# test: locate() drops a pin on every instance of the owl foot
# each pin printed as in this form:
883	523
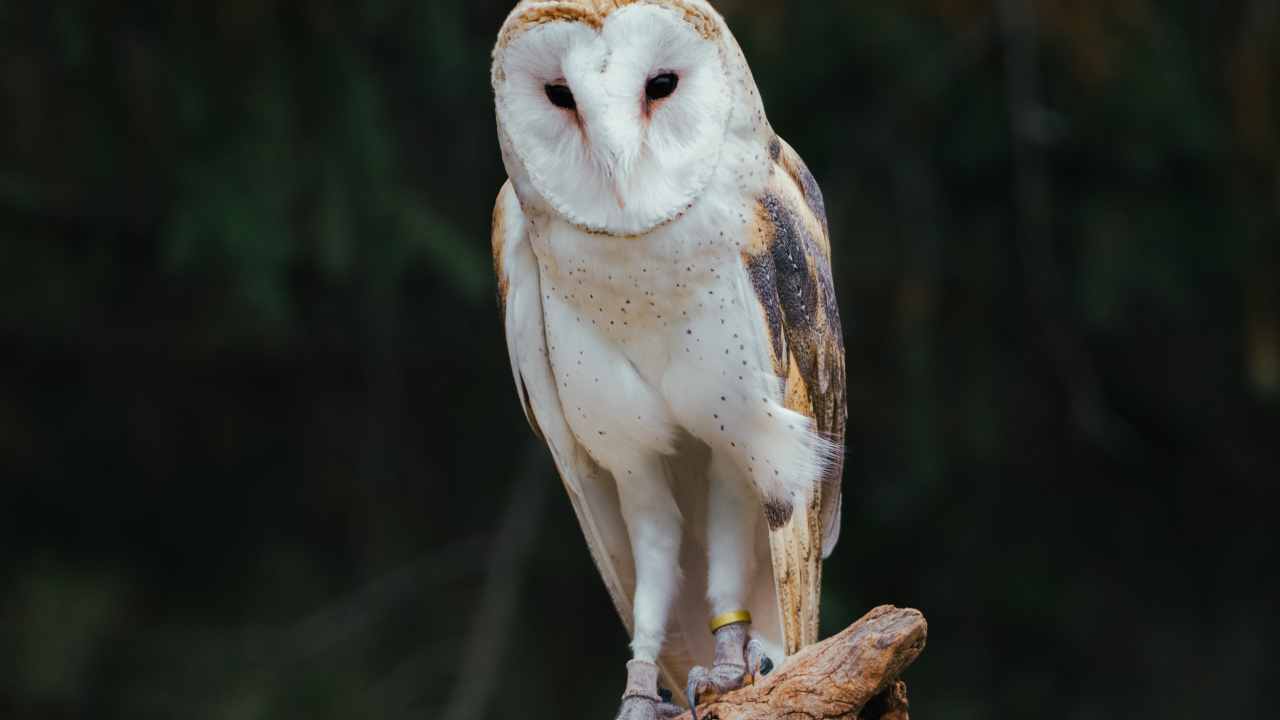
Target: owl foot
738	660
642	700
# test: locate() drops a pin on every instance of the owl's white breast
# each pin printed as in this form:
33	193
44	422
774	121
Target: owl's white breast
675	291
662	331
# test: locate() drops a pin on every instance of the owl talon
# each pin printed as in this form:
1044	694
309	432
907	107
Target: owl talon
718	679
758	663
696	677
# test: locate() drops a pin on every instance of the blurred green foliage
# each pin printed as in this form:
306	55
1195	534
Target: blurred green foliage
256	426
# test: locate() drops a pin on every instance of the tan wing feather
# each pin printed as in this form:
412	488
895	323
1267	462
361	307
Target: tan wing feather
789	260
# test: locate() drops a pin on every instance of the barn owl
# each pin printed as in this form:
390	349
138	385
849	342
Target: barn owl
663	267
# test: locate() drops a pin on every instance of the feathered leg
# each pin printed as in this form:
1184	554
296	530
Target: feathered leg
732	513
653	525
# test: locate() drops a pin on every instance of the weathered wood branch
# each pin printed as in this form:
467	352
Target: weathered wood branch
849	676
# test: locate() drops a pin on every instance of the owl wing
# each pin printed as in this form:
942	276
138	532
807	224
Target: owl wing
591	488
788	259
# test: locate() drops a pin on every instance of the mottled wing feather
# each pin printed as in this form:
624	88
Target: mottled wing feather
813	329
788	259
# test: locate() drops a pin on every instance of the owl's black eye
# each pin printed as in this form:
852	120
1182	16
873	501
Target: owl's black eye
561	96
661	86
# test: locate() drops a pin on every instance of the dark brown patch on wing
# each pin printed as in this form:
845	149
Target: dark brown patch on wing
790	270
764	281
775	148
812	318
796	283
777	513
792	281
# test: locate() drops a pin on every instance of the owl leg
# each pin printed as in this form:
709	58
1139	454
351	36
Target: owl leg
732	513
653	525
642	700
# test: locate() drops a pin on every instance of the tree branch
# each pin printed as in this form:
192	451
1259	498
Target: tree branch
850	676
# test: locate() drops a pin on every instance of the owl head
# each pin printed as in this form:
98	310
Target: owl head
614	113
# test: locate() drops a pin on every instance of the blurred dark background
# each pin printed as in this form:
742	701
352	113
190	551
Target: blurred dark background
261	457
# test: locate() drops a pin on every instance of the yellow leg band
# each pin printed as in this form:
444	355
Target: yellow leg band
729	618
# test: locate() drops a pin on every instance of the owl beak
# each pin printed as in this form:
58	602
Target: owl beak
616	143
616	163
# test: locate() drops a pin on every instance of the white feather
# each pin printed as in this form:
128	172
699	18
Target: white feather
597	169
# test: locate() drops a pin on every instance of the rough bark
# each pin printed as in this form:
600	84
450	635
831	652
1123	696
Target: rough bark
850	676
